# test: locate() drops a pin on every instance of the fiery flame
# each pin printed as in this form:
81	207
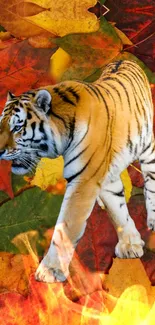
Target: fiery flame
85	299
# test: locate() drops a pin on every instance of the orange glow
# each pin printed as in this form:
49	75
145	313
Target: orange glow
86	298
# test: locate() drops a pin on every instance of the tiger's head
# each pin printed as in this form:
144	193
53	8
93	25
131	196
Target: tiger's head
25	134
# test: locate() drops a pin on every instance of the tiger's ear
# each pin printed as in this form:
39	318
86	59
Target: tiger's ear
10	96
43	100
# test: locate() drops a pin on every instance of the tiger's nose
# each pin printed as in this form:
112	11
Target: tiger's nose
1	152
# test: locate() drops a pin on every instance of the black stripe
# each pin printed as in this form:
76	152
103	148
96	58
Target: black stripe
55	244
84	134
135	150
151	176
138	123
139	81
54	143
150	162
113	88
117	65
86	88
43	147
77	156
74	93
91	90
98	93
33	126
120	83
60	118
42	130
7	109
63	96
134	91
121	204
41	127
31	92
29	115
149	190
120	194
129	143
16	109
105	103
71	132
149	145
69	179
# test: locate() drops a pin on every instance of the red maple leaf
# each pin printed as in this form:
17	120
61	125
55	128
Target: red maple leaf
22	68
5	180
136	20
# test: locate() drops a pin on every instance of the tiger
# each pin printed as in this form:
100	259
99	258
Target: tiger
99	128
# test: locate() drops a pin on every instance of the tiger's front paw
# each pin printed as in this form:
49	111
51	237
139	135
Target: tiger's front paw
46	272
129	249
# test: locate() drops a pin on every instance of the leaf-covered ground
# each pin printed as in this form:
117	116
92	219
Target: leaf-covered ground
40	46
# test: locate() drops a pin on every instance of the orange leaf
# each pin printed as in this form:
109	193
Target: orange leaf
13	274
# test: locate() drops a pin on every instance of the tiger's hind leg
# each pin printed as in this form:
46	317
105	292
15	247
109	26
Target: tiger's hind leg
147	161
130	244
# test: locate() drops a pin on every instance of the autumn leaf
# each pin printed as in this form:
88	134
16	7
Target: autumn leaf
136	174
59	63
136	20
4	36
90	51
43	40
125	40
134	274
48	173
15	270
27	19
23	68
127	184
5	178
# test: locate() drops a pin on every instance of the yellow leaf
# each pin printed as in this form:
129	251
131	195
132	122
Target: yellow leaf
65	17
127	184
33	17
134	275
59	63
48	172
4	36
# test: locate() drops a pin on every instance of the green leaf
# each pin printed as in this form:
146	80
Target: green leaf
32	209
90	52
2	29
